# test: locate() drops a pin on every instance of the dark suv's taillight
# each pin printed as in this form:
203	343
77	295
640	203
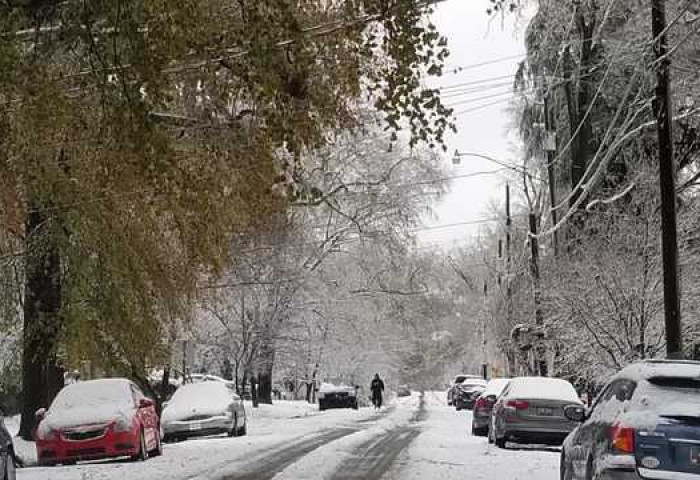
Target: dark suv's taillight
622	438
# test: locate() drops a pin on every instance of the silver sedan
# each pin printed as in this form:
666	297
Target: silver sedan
205	408
531	410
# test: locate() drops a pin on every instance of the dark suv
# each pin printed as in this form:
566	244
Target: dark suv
645	424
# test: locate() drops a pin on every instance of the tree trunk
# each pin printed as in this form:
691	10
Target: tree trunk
254	391
267	363
164	390
582	155
42	377
265	386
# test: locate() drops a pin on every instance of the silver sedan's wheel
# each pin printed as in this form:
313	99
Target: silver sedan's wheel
243	431
233	432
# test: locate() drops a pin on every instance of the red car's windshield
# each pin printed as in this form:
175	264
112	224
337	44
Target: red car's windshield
95	393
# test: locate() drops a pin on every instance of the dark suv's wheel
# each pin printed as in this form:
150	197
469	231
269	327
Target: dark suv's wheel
564	469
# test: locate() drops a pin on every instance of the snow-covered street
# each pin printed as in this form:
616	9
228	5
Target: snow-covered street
413	438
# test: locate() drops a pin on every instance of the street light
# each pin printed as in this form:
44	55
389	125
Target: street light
456	159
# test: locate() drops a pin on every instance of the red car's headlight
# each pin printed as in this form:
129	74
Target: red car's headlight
45	432
122	424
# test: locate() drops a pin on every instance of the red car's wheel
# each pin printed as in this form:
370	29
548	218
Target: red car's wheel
142	454
158	451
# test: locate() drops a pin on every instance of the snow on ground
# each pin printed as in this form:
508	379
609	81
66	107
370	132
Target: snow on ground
323	462
445	449
268	427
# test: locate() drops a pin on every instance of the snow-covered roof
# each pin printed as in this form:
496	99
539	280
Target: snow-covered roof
474	381
202	398
543	388
96	393
329	387
660	368
495	386
92	401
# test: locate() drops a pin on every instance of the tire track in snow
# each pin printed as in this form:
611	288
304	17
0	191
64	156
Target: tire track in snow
374	458
267	465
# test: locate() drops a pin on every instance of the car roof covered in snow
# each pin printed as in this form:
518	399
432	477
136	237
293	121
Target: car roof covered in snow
329	387
472	382
496	386
647	369
204	398
116	391
462	377
542	388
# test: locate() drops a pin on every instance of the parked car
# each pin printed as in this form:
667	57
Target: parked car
205	377
467	391
452	390
645	424
531	410
484	404
204	408
403	391
7	453
337	396
98	419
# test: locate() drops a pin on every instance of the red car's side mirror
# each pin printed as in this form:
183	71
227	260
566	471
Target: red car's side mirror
146	403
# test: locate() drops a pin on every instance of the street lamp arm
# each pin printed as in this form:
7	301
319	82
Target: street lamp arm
507	165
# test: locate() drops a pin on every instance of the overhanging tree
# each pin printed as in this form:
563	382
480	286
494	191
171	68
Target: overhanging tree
138	135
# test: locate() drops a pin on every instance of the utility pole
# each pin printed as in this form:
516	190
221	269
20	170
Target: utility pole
509	291
540	353
662	109
508	224
550	145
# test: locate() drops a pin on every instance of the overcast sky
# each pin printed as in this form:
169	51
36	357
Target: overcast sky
475	39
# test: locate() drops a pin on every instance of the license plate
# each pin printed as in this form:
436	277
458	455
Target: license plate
695	455
545	411
195	426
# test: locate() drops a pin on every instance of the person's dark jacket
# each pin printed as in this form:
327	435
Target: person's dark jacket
377	385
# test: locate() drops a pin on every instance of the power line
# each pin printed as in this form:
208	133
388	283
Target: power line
461	68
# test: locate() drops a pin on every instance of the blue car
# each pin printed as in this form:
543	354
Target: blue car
645	424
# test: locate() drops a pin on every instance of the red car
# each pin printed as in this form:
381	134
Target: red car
98	419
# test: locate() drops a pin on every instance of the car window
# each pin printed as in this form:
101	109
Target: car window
505	392
672	395
137	394
623	390
612	397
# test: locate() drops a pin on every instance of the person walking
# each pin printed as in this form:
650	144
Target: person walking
377	388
